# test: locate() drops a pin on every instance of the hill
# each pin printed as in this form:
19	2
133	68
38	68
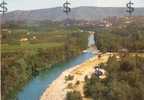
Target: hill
79	13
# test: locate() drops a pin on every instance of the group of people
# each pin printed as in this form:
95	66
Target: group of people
99	72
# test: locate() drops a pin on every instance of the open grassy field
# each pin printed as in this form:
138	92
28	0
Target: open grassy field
27	46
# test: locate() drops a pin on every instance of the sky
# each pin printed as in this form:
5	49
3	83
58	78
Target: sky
40	4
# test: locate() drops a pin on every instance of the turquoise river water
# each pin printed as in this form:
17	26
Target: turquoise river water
34	88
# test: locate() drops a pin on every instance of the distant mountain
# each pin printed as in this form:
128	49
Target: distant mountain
79	13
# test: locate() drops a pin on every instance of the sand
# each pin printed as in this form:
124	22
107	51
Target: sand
58	89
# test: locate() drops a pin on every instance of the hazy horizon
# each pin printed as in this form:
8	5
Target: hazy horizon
44	4
62	7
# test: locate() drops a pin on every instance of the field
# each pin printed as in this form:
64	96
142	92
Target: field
27	46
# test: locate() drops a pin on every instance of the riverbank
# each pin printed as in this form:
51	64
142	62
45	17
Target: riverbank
58	89
19	67
38	84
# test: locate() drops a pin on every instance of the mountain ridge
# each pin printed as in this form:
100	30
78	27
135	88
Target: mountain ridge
77	13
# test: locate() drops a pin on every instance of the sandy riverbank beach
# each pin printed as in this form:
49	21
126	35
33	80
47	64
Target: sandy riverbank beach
57	90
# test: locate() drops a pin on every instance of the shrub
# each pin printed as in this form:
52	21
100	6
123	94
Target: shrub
73	95
69	78
70	86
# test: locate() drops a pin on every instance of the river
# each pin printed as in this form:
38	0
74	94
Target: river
34	89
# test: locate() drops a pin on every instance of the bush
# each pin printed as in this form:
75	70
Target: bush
69	78
77	82
70	86
73	95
